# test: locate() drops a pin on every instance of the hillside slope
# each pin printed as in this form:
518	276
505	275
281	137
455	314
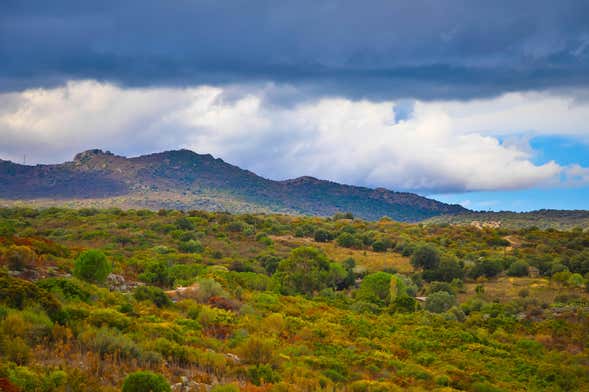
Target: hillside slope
543	219
186	180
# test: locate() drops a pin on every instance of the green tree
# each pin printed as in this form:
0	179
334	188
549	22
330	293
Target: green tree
336	276
440	301
303	271
7	229
375	288
448	270
153	294
191	246
322	235
92	266
348	240
379	246
156	272
489	268
426	257
184	224
145	381
518	268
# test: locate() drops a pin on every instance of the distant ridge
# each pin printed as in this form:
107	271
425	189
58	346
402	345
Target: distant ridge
542	219
186	180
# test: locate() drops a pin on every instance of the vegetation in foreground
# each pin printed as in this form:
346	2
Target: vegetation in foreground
115	300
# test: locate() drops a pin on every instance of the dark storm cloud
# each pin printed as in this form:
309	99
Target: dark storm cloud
376	49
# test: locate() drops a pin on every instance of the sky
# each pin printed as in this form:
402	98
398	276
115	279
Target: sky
480	103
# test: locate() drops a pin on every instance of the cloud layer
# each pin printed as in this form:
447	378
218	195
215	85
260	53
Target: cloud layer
425	146
376	49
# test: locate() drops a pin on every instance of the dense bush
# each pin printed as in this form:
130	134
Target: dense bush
488	268
321	235
375	288
304	271
68	289
348	240
18	257
440	301
153	294
156	273
92	266
146	382
518	268
447	271
426	257
19	293
191	246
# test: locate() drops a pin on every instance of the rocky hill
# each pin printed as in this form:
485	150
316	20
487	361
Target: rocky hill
187	180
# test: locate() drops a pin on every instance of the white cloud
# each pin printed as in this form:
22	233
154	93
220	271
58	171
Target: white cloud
441	146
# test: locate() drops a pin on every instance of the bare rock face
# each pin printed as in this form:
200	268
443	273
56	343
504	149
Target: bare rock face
118	283
186	385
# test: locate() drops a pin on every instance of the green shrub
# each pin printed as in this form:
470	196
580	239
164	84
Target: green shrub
7	228
441	286
157	273
488	268
262	374
380	246
153	294
405	304
375	288
192	246
321	235
18	257
348	240
19	293
145	381
426	257
439	302
107	341
67	289
518	268
92	266
15	350
109	318
184	224
304	271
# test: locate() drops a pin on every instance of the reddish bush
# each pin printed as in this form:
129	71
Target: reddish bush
223	303
7	386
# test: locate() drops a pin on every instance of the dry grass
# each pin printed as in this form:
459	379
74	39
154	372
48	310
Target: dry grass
371	261
508	288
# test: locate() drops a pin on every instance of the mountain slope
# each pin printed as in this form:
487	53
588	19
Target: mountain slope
186	180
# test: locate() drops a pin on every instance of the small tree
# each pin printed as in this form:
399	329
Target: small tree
489	268
153	294
18	257
321	235
145	381
375	288
304	271
347	240
92	266
426	257
439	302
518	268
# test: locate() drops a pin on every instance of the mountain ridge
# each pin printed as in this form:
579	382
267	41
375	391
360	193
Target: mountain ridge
187	180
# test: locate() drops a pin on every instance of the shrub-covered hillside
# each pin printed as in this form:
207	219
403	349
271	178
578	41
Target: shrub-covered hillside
111	300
